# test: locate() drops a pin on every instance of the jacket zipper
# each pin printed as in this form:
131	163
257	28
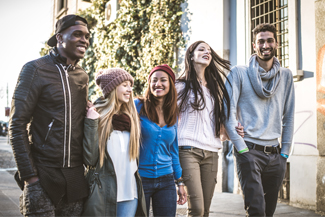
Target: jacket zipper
69	92
65	115
48	131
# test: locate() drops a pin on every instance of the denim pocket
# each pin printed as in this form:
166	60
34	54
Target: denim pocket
168	176
281	157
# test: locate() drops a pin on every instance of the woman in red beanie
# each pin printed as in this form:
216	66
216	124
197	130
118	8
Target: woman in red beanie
159	162
201	93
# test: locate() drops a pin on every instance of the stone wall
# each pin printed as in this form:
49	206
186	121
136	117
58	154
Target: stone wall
320	78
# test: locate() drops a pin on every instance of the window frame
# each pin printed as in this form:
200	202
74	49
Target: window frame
62	10
292	34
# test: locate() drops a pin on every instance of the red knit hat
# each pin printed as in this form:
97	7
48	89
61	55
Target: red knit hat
109	79
164	68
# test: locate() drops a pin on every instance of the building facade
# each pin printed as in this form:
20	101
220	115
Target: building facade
61	8
226	25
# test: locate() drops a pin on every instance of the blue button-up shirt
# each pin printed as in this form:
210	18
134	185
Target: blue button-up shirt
158	149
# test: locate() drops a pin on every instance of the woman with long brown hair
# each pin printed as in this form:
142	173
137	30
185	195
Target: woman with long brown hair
201	99
159	162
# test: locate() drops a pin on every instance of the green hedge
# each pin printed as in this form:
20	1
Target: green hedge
145	34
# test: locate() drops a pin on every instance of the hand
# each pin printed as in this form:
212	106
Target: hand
223	134
89	104
92	113
240	130
182	196
31	180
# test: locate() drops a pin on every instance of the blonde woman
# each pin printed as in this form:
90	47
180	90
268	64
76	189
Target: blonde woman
111	148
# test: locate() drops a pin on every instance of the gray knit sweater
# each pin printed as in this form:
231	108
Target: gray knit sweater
264	119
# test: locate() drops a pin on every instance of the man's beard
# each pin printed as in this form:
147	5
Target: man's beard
266	58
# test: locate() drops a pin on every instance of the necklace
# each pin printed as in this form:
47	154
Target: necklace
200	81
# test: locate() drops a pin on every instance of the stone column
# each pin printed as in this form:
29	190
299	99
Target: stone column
320	82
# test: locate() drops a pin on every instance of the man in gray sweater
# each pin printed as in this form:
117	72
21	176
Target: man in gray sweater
263	101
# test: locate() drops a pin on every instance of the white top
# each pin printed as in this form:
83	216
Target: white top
196	128
118	150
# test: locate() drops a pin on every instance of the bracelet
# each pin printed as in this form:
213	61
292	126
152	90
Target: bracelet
180	183
284	155
180	180
244	150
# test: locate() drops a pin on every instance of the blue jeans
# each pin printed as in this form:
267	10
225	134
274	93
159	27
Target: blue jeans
127	208
162	191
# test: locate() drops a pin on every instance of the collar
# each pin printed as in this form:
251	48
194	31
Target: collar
60	59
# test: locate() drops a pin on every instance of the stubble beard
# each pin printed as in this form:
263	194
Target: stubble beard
266	58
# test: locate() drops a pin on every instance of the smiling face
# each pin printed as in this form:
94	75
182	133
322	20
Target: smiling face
73	42
202	54
159	84
265	45
124	91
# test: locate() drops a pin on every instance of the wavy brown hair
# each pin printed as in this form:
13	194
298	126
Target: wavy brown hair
215	76
170	104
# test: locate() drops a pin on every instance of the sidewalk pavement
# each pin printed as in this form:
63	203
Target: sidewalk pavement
223	204
4	144
9	195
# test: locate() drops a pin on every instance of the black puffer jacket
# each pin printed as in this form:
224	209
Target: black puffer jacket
52	97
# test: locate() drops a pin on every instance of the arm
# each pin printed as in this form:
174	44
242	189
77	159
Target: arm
175	158
234	89
23	103
90	140
223	133
288	117
182	195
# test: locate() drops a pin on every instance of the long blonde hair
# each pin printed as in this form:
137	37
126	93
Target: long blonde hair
106	110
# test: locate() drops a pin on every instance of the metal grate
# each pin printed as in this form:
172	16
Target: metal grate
274	12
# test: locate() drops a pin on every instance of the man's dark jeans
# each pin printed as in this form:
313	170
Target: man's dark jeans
260	176
162	191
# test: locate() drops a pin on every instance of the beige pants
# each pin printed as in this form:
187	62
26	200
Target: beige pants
200	169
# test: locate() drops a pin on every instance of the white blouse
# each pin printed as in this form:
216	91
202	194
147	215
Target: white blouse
118	150
196	128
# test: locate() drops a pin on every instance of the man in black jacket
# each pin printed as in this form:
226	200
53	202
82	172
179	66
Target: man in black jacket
46	125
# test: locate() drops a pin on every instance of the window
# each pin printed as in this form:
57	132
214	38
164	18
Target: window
276	13
61	6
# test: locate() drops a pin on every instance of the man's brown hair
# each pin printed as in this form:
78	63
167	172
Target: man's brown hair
263	28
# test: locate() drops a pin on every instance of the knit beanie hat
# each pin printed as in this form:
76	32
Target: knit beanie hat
109	79
164	68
